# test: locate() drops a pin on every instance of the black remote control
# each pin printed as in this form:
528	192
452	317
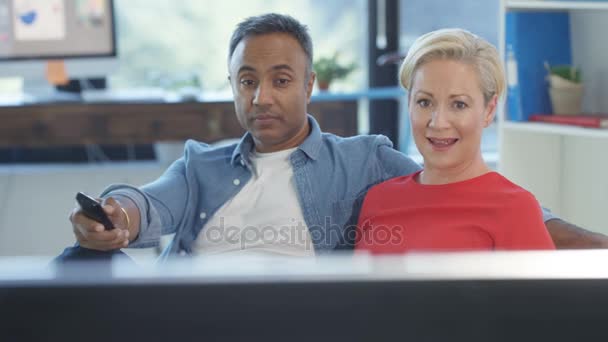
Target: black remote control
92	209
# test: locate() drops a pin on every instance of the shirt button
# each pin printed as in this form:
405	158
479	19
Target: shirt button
203	216
236	182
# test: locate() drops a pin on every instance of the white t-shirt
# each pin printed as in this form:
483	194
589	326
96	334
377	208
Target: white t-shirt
265	217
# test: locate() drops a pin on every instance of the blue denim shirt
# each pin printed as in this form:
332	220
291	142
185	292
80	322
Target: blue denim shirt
332	176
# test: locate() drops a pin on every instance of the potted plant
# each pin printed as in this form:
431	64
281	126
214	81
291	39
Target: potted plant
329	69
565	89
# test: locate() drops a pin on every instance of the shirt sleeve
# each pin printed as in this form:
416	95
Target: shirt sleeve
523	228
161	204
392	162
149	223
548	215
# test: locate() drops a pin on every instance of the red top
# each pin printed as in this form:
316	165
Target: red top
484	213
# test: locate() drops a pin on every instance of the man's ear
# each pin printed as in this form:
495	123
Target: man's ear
490	111
234	91
310	85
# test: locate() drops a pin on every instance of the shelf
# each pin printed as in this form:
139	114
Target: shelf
380	93
537	5
546	128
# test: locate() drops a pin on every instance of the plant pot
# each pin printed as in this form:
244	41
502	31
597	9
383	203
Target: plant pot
566	101
323	85
566	96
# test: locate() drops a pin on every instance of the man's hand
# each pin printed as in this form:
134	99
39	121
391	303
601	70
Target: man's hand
568	236
91	234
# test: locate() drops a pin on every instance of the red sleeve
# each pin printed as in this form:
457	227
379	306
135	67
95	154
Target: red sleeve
363	227
522	226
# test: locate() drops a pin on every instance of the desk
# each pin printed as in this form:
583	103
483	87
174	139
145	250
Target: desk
76	123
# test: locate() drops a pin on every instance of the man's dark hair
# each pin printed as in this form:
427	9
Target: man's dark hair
272	23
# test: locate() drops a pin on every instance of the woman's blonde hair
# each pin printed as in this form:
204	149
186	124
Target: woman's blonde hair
459	45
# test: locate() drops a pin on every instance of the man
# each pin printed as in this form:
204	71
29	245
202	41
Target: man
286	188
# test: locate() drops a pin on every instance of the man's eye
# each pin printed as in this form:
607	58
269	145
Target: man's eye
246	82
282	81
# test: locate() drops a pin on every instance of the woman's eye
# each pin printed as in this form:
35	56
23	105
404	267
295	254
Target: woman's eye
460	105
424	103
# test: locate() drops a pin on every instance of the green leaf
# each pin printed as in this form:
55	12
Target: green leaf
328	68
567	72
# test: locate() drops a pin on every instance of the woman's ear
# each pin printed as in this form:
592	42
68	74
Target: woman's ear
490	111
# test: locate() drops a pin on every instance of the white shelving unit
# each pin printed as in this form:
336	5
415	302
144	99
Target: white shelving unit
546	128
535	5
565	167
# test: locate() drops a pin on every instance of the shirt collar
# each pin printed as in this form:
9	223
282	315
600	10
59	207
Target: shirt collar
311	145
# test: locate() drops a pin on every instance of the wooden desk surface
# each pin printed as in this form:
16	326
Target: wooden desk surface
144	123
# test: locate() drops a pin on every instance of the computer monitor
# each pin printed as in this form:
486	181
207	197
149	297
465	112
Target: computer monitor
520	296
79	32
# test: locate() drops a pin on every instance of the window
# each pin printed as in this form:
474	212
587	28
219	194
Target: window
173	43
10	85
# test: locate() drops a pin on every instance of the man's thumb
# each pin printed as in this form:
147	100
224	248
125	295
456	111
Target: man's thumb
109	205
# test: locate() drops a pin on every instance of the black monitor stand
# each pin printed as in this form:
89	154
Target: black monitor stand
76	86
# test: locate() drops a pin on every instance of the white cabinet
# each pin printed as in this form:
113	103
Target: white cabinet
35	201
565	167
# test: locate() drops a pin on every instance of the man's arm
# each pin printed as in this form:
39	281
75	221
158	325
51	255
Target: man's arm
568	236
393	163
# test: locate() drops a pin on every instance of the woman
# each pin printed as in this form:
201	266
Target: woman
454	80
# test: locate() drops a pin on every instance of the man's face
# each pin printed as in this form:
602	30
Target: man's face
271	86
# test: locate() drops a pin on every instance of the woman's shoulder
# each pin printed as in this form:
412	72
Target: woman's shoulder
398	181
512	193
396	185
392	192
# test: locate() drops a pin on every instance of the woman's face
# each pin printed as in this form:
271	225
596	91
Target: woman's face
448	113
